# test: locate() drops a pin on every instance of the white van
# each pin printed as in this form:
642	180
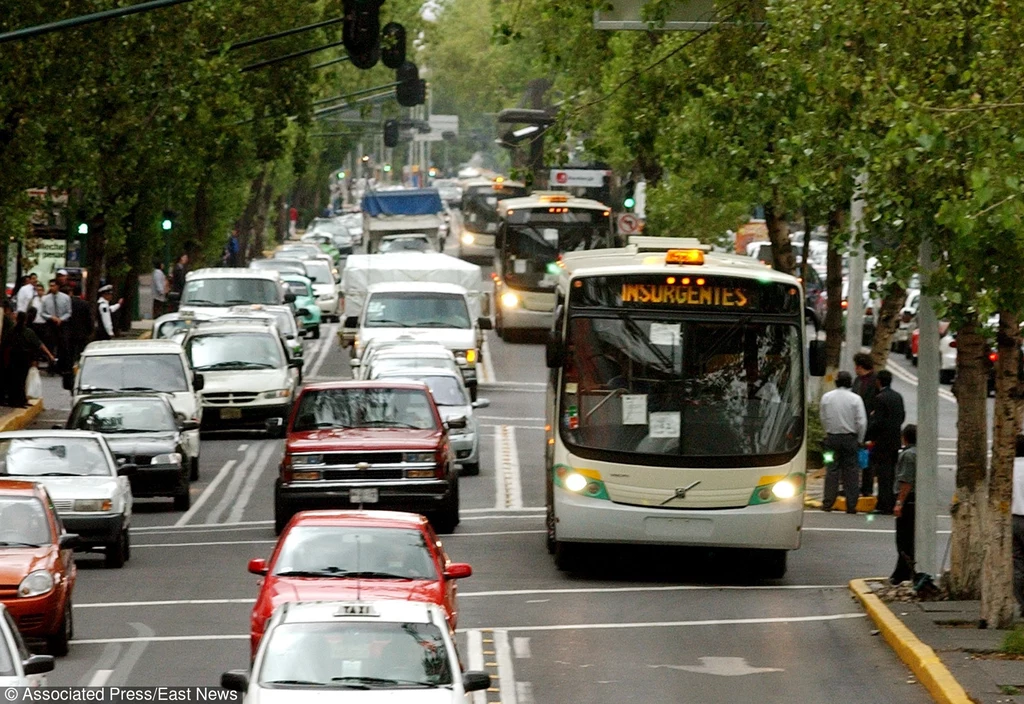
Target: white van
212	292
113	366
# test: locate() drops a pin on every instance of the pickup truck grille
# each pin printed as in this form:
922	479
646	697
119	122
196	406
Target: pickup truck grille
353	474
229	397
335	459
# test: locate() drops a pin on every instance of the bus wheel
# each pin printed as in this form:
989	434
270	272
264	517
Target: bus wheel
772	563
567	556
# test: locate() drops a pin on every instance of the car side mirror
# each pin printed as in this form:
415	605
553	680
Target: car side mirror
274	426
127	469
238	680
816	357
37	664
482	403
485	324
355	362
258	566
198	382
68	381
474	681
351	322
555	352
289	297
458	570
457	423
68	541
187	425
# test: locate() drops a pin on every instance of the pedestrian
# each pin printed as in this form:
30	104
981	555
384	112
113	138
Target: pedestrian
865	385
56	312
903	509
293	220
81	325
160	288
38	323
885	419
26	292
1018	523
24	349
6	326
62	278
845	422
104	309
178	275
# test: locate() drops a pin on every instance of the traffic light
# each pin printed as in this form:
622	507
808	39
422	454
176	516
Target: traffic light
392	45
391	133
361	30
628	194
167	224
83	228
365	61
411	89
83	222
341	175
387	168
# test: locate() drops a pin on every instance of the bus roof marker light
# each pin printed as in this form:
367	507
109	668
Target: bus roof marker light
670	280
700	282
684	256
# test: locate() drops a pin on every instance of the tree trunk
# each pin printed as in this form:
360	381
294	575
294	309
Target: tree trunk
888	321
778	234
997	600
967	539
246	222
834	298
805	255
259	228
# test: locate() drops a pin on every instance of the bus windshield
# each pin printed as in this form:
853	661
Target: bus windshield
532	242
480	205
652	390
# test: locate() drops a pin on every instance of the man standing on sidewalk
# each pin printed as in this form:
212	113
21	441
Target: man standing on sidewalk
884	423
160	288
1018	524
845	422
57	312
903	509
865	385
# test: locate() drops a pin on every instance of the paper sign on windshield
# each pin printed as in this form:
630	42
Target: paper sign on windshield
634	409
665	334
665	424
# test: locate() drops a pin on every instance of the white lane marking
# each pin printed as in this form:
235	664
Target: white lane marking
518	385
123	669
501	510
680	624
100	678
204	497
722	667
475	643
508	489
496	532
909	378
200	544
521	647
250	483
496	387
231	490
164	602
157	639
328	337
228	529
486	364
513	419
507	516
506	675
243	447
520	427
194	526
524	692
674	588
537	601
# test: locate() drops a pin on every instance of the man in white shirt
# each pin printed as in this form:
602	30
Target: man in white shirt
845	421
56	311
160	288
104	309
25	294
1018	523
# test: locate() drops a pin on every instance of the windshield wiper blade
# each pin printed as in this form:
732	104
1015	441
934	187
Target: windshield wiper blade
439	324
236	365
388	424
325	572
377	575
382	323
57	474
137	388
298	682
367	680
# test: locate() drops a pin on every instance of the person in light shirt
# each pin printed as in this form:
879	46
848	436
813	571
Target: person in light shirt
845	421
1018	523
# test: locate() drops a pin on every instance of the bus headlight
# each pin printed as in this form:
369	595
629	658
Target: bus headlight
784	489
575	482
777	488
467	238
509	299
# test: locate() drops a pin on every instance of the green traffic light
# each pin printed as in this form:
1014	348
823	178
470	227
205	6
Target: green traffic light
83	228
553	268
629	202
341	174
387	167
166	224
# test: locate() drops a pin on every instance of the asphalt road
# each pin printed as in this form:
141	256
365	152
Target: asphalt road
648	626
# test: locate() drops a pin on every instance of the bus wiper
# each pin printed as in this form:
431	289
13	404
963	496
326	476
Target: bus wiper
439	324
18	544
137	388
639	334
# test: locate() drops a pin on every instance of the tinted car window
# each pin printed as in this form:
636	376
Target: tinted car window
115	415
132	372
365	408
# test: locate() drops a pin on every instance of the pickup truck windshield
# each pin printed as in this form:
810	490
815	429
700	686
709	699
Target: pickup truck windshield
417	310
365	408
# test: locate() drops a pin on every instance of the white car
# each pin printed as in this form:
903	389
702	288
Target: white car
90	491
249	378
325	286
412	354
18	666
365	651
452	401
212	291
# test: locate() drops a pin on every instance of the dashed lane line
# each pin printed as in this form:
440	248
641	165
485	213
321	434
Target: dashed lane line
475	646
99	678
486	364
506	673
911	379
327	336
237	478
205	496
521	647
255	472
508	486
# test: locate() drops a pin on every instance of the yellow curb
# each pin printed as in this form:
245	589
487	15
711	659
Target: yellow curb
21	417
920	658
865	504
812	503
146	335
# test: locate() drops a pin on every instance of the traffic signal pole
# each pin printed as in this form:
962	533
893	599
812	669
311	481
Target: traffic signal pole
92	18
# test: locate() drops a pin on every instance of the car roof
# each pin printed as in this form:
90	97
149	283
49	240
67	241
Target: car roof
391	611
19	487
397	372
368	384
120	347
55	433
216	327
377	519
416	287
396	348
231	273
120	396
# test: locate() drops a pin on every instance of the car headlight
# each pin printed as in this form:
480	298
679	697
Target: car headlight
509	299
468	238
306	460
36	583
92	505
169	458
418	457
278	393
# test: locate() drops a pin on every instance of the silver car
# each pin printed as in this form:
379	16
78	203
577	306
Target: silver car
452	399
89	490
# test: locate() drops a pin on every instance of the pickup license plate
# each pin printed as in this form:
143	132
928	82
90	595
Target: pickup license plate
363	496
231	413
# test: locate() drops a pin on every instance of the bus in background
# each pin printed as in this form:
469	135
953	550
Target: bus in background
676	410
533	233
480	198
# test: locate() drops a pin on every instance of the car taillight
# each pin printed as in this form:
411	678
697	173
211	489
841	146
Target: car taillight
952	343
845	304
993	356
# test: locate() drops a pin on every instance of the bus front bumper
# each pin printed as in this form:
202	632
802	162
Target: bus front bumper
774	526
519	318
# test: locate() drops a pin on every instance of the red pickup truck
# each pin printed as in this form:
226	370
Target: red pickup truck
368	444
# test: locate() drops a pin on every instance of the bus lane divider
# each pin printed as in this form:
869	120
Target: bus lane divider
508	485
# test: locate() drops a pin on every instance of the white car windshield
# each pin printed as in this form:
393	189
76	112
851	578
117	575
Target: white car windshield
23	523
417	310
354	552
229	292
132	372
356	655
319	271
53	457
240	350
123	415
446	390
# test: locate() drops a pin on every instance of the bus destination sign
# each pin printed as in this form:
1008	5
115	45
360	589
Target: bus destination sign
668	292
683	294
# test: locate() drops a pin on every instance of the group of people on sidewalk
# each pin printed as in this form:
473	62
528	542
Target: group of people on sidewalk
866	415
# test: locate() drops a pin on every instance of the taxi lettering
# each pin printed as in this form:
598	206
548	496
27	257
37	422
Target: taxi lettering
681	295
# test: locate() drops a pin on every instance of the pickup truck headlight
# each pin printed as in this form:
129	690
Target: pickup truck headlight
36	583
418	457
169	458
306	460
92	505
279	393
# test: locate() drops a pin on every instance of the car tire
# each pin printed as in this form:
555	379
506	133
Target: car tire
447	518
567	556
193	469
115	554
771	564
316	333
470	469
279	431
58	643
183	501
281	518
473	393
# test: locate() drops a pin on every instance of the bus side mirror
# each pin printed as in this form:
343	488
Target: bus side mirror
555	351
816	357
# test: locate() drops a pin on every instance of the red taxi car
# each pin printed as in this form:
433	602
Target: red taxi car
37	568
352	555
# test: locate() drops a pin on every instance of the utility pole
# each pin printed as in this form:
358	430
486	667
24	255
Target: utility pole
855	291
926	483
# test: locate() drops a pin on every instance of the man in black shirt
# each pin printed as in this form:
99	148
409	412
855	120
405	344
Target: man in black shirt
885	418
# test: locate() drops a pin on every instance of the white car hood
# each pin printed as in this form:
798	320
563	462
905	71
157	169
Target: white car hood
349	696
78	487
324	289
451	338
246	380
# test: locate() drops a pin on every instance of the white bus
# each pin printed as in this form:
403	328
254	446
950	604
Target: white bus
676	410
480	197
533	233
